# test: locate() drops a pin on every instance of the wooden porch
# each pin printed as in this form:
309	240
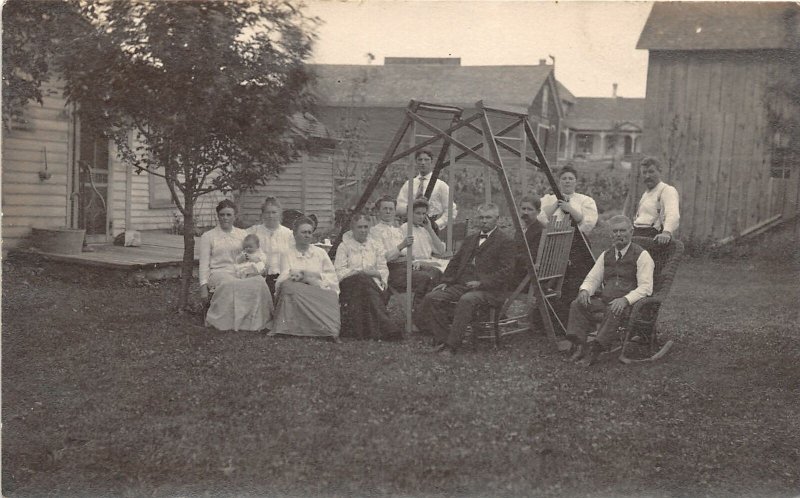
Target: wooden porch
159	257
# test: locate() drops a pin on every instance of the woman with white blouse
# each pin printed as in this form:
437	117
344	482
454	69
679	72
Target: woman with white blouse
363	274
237	304
581	207
274	238
308	289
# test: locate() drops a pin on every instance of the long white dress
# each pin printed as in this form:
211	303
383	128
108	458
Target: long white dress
237	304
303	309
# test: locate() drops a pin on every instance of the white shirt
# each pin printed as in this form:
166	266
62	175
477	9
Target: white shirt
437	203
583	203
352	256
218	251
665	213
644	275
273	243
482	240
314	260
388	235
424	246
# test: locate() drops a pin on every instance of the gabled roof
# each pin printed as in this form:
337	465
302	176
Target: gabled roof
565	94
721	26
596	113
393	85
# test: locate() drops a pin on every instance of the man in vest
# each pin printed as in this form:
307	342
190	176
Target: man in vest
658	214
477	275
439	205
625	273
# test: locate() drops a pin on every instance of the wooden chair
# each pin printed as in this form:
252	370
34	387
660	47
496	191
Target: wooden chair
551	264
644	313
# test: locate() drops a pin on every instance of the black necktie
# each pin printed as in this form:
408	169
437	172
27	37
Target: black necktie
619	254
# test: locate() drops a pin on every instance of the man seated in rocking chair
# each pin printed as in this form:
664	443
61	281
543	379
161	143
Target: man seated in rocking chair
625	272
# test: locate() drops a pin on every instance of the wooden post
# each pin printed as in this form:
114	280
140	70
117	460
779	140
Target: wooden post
450	194
410	231
523	164
487	173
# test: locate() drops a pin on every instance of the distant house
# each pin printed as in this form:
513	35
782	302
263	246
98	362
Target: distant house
711	66
56	174
379	94
602	128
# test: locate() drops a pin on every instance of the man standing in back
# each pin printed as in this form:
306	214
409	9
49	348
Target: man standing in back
438	202
658	214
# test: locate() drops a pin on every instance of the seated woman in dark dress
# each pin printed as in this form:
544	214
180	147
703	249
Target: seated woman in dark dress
361	268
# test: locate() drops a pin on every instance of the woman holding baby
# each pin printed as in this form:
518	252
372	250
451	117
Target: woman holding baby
307	287
230	276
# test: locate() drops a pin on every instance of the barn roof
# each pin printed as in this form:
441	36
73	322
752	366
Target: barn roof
721	26
595	113
393	85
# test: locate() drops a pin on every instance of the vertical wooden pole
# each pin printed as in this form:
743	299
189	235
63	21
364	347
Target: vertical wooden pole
523	164
487	173
450	193
410	230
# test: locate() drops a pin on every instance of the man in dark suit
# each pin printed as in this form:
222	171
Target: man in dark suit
478	275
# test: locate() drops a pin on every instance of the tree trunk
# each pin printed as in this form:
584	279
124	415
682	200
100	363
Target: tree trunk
187	266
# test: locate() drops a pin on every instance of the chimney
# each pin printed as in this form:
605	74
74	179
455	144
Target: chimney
542	62
614	94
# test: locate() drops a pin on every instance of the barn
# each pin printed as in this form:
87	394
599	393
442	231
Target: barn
56	174
712	74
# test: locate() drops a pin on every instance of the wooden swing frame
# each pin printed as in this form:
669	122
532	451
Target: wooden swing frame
493	142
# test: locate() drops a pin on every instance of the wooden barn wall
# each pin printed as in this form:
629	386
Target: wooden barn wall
306	185
29	201
707	111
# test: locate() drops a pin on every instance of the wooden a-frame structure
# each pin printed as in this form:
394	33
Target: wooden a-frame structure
480	124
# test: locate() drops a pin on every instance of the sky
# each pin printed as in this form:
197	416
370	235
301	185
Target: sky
594	43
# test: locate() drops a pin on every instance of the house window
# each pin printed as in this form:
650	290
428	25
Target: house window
584	144
783	160
160	196
545	100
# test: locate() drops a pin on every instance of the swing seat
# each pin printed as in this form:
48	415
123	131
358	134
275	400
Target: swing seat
551	264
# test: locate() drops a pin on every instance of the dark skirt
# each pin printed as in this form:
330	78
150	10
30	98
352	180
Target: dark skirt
364	315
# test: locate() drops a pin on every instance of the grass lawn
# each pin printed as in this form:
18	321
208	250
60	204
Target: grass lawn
108	392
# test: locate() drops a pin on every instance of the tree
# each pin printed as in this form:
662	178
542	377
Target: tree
199	93
33	31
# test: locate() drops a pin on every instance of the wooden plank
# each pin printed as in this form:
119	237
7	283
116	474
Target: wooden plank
41	189
36	211
714	131
34	144
723	181
12	154
33	200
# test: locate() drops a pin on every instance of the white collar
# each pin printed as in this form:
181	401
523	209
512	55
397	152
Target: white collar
656	187
490	232
623	251
423	177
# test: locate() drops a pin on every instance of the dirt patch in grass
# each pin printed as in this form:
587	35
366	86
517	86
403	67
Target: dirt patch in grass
106	391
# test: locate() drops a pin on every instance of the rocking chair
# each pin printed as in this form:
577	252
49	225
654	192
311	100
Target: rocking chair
642	321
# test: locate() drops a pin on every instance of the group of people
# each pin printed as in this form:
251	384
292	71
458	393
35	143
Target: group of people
270	277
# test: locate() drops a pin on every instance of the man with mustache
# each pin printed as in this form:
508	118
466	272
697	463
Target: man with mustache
658	214
626	274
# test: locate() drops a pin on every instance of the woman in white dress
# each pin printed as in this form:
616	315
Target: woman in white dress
581	207
274	238
308	290
235	304
361	268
